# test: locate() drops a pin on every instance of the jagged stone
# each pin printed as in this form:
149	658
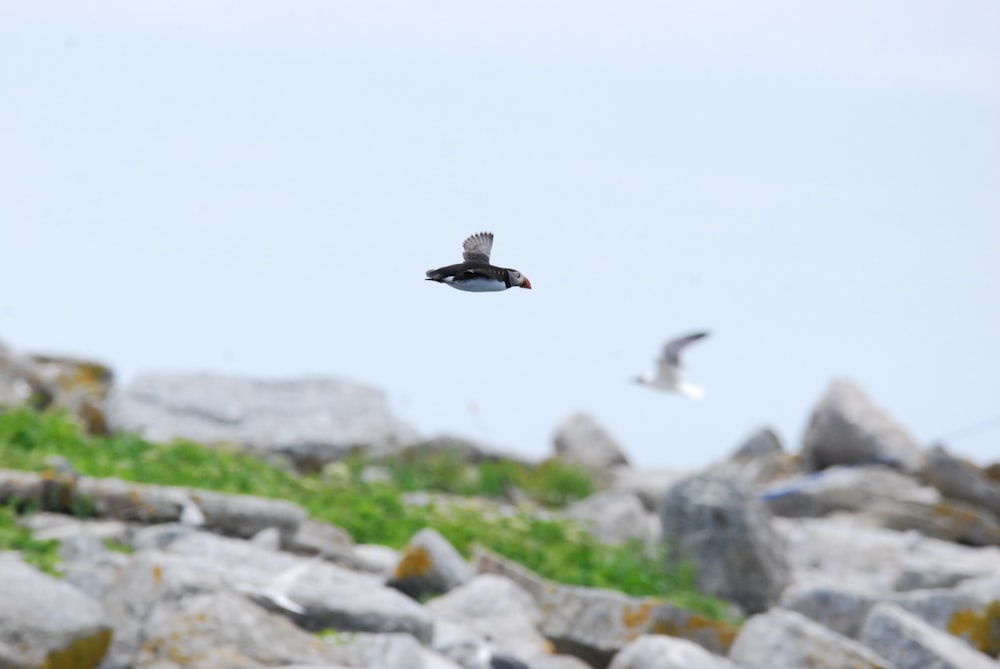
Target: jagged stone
664	652
45	622
782	638
727	532
311	421
848	428
581	439
910	643
430	565
593	624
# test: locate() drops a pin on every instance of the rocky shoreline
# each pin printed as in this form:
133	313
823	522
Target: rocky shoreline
862	549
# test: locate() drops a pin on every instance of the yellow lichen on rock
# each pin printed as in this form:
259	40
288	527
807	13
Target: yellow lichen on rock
637	617
416	562
979	628
81	654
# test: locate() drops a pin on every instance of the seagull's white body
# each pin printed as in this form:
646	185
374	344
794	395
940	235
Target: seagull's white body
668	369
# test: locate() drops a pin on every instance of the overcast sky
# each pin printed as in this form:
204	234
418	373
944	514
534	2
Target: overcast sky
258	187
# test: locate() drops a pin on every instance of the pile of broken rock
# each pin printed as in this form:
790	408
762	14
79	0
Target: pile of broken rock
863	549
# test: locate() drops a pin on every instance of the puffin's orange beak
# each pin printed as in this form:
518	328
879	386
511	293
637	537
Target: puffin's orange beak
525	283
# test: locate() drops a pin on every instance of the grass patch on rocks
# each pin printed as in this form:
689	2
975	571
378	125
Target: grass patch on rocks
372	508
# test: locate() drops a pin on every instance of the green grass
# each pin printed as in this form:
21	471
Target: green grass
371	512
43	553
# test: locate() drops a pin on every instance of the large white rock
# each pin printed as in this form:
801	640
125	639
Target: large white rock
310	420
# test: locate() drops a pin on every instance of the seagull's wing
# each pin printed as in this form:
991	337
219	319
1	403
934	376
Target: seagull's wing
478	247
673	348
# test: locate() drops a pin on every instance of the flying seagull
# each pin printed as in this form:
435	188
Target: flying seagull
668	368
476	274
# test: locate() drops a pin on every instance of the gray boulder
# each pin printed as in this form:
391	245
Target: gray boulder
46	622
910	643
727	532
665	652
311	421
848	428
616	517
781	638
430	565
582	440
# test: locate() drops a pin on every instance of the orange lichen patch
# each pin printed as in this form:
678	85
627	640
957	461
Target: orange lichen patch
638	616
698	627
157	574
416	562
980	628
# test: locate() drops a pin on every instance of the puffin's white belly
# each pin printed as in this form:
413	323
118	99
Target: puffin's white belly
477	285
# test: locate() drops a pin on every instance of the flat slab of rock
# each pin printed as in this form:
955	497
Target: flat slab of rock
885	497
235	515
593	624
910	643
314	593
846	551
311	421
782	638
46	622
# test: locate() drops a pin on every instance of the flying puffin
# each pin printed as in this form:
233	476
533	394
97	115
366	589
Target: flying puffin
476	274
668	368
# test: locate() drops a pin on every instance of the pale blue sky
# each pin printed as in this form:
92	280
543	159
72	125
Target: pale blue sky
258	187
